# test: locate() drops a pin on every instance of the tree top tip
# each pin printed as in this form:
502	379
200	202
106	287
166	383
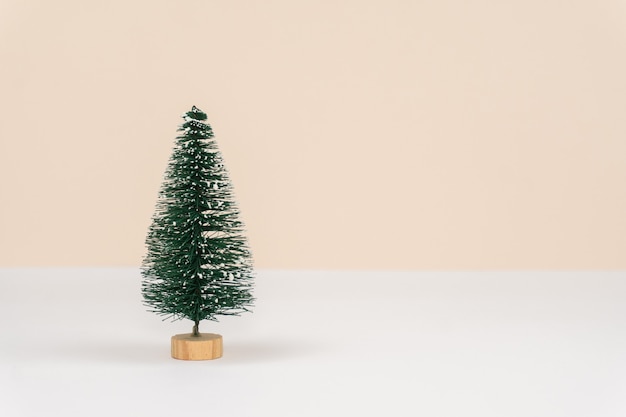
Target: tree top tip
196	114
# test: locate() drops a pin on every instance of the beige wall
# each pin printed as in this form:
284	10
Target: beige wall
359	133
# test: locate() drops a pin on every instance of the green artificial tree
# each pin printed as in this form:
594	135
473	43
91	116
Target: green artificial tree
198	265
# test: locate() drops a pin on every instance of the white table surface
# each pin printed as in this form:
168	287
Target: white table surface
78	342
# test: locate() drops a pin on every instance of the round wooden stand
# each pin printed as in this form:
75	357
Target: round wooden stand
196	348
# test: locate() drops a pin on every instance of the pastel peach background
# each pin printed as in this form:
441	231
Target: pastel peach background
359	133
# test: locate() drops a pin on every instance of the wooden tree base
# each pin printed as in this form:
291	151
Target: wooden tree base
196	348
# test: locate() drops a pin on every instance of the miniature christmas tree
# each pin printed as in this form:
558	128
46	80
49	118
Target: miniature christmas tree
198	265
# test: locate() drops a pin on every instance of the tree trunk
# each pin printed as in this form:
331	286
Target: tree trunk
195	331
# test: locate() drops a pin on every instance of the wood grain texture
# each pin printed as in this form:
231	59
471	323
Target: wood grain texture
196	348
